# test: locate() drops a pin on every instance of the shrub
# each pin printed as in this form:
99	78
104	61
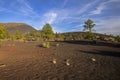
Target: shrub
0	43
59	37
88	35
2	31
57	44
106	39
109	39
18	35
97	37
46	45
78	37
112	39
118	38
94	41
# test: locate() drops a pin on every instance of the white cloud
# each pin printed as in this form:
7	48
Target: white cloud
66	16
25	8
86	7
99	9
78	27
18	7
75	14
109	26
50	17
58	16
103	6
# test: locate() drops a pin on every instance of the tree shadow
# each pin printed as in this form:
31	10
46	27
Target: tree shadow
90	42
103	53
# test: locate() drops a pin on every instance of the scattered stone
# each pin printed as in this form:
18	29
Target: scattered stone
93	59
67	62
54	61
57	44
2	65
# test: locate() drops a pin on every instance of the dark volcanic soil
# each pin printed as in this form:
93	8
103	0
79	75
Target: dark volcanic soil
30	61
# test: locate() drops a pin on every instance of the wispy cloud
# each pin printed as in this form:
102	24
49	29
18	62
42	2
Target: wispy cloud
50	17
86	7
103	6
64	3
99	9
2	9
69	15
19	7
63	15
26	9
110	25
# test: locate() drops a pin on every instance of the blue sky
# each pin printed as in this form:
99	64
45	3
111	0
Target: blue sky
63	15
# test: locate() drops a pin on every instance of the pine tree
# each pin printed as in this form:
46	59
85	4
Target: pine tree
47	32
89	25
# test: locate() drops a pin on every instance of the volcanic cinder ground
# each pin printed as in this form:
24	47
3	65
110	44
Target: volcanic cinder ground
30	61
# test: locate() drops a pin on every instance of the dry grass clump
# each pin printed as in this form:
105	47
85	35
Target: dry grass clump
57	44
46	44
68	62
54	61
93	59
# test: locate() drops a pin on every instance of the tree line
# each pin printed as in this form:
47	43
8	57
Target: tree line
47	34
